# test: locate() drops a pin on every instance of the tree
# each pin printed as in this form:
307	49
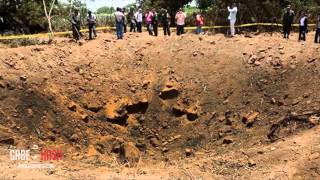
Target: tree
204	4
172	5
105	10
48	15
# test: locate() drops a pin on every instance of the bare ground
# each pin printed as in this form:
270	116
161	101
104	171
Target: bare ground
184	107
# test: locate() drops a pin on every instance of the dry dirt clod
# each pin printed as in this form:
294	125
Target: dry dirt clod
138	106
154	142
250	118
94	106
116	112
23	78
72	106
251	163
2	84
310	60
6	137
314	120
189	152
129	153
169	92
252	59
227	140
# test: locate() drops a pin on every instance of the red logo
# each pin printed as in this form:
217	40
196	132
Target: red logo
53	154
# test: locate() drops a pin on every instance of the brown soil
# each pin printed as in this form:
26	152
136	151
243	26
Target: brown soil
155	107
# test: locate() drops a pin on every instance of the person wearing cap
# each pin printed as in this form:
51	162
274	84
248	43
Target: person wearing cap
233	10
91	19
165	18
119	23
76	25
139	19
317	38
180	21
287	21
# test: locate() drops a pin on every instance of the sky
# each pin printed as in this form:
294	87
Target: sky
93	5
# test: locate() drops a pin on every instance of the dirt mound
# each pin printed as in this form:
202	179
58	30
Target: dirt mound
155	98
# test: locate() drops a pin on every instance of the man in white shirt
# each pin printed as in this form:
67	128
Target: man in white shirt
303	26
232	18
139	18
119	16
92	20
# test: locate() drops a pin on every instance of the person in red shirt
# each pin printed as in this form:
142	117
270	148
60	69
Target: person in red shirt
199	23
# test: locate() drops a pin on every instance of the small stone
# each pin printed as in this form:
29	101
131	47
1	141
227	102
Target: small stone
72	106
169	92
154	142
129	153
250	118
164	150
189	152
23	78
74	138
281	52
227	141
314	120
84	117
314	156
195	53
310	60
252	59
2	84
251	163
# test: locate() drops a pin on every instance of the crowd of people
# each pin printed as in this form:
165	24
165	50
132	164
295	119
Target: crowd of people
288	20
151	18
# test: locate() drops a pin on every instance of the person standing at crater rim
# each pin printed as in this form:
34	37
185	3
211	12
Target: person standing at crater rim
303	27
139	19
119	23
180	21
165	17
76	25
317	36
287	21
91	18
155	19
233	10
148	19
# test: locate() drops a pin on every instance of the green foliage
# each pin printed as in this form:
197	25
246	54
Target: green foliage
106	10
204	4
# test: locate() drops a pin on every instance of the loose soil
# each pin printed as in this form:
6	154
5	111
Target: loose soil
188	107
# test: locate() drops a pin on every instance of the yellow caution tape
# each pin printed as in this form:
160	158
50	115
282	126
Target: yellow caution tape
45	35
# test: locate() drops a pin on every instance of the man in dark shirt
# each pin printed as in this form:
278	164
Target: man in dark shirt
317	38
76	24
155	22
288	17
165	18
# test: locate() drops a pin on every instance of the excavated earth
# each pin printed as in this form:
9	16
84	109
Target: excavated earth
146	107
